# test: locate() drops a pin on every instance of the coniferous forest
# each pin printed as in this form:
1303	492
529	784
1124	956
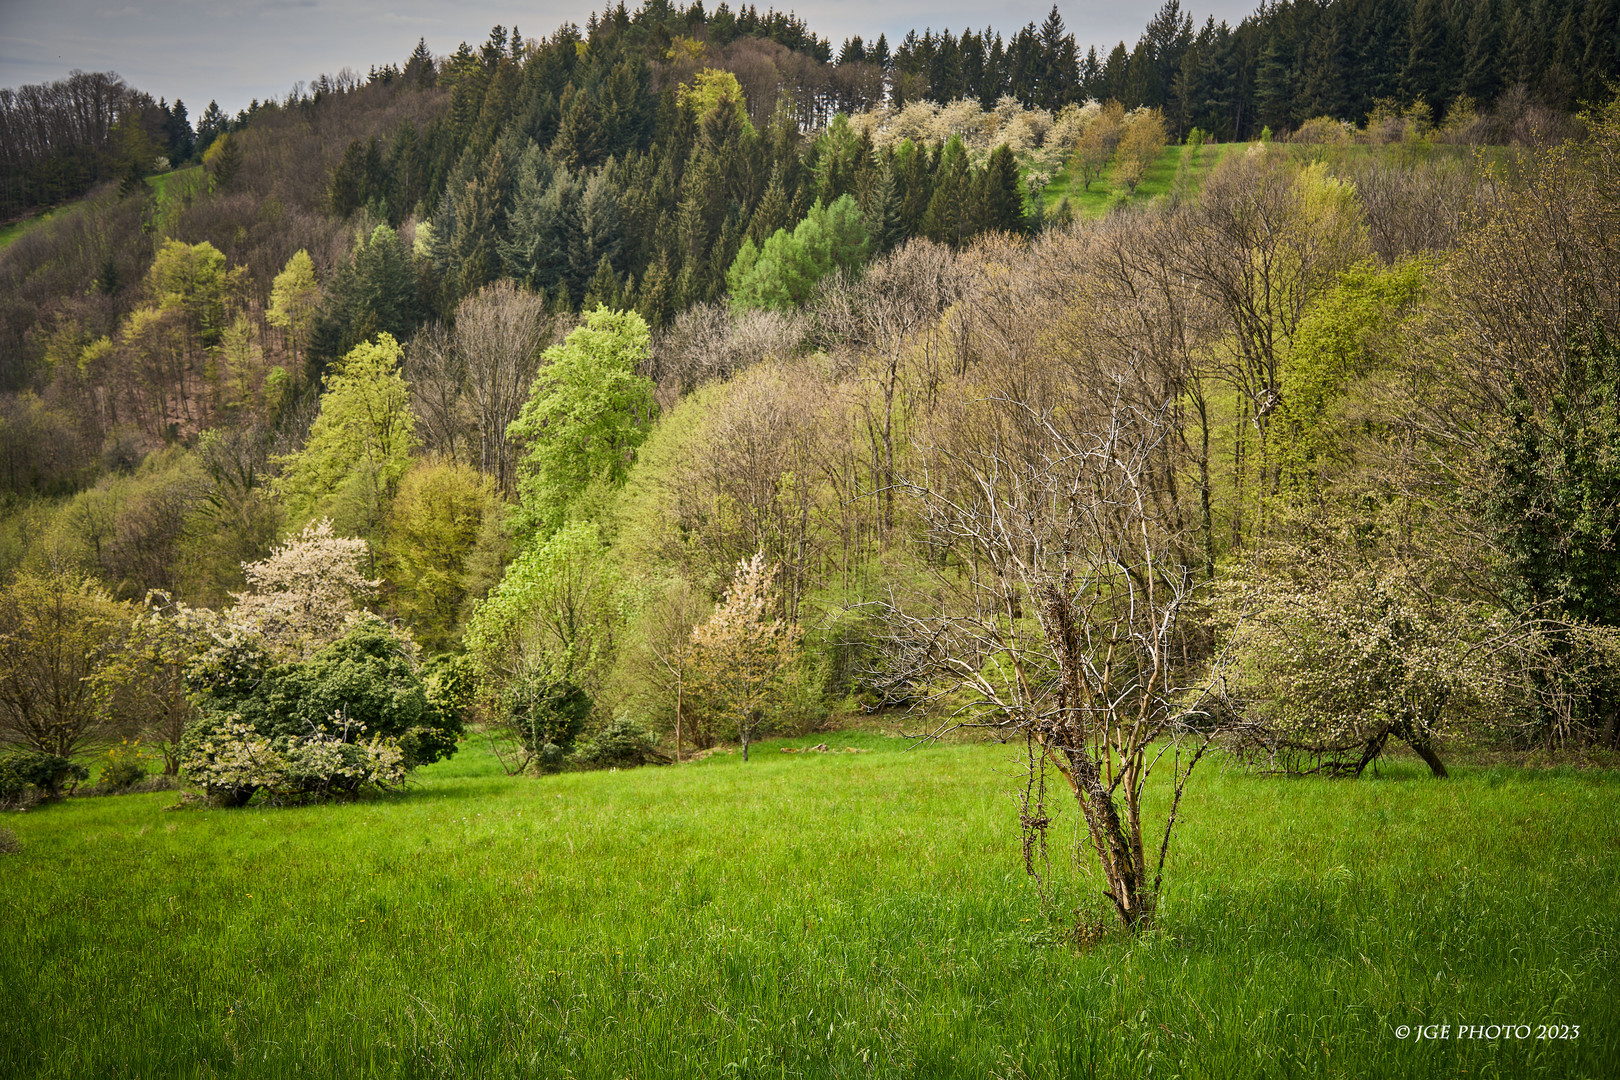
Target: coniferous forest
1224	428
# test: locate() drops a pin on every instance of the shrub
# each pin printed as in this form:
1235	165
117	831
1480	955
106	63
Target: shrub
622	744
9	844
28	775
229	759
122	767
354	715
546	715
233	762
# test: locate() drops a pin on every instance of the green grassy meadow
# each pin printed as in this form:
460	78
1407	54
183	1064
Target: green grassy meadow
808	915
1158	179
11	230
183	178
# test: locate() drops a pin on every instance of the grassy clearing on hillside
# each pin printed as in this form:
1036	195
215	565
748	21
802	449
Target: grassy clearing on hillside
11	231
185	176
160	183
807	915
1158	179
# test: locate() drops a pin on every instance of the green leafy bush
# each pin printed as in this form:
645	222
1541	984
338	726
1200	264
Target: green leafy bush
28	775
546	715
622	744
356	714
233	762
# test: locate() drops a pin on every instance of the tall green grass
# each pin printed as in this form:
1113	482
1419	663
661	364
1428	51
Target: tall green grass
807	915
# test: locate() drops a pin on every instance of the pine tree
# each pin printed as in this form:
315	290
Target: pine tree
888	223
1001	201
949	218
603	290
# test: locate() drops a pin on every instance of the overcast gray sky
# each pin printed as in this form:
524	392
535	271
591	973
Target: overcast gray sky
235	50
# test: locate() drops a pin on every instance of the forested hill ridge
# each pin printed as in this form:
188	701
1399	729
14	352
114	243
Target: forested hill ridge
1283	65
594	363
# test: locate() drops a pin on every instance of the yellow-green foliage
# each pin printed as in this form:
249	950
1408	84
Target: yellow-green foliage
1335	345
711	90
59	636
359	447
294	296
435	523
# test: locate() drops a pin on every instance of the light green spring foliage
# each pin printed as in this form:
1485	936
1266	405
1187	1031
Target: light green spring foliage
785	271
438	519
191	279
1334	346
587	413
294	296
359	447
555	612
711	90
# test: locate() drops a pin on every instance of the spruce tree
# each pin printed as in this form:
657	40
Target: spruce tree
1001	201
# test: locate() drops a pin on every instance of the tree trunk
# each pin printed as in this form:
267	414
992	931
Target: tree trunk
1108	837
1425	750
1369	754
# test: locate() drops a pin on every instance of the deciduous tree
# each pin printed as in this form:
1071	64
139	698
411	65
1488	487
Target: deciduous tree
744	654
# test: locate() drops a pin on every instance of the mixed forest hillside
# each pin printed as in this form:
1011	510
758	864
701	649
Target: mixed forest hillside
675	378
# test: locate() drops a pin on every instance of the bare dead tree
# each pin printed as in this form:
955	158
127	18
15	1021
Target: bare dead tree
1056	619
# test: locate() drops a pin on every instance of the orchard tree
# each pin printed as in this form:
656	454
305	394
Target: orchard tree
1140	143
306	593
1097	143
151	675
1328	667
587	412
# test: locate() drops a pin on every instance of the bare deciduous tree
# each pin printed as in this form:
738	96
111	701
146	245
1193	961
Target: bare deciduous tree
470	381
1058	616
878	316
707	342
